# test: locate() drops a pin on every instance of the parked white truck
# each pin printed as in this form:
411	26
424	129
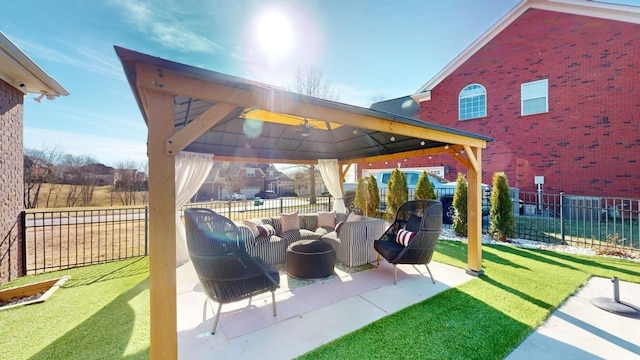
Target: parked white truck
444	191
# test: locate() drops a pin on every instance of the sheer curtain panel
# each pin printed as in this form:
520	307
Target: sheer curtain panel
191	171
330	171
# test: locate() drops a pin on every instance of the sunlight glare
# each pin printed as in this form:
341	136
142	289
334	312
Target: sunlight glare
274	33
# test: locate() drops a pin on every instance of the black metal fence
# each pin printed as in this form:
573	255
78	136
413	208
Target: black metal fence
583	221
67	238
9	256
58	239
256	208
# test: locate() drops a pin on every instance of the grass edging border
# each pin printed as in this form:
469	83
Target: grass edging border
48	286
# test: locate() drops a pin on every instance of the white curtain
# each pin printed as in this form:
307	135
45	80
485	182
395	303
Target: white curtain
330	171
191	171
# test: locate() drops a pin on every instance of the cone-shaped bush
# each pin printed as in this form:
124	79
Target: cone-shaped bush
360	200
373	197
397	193
501	225
459	225
424	188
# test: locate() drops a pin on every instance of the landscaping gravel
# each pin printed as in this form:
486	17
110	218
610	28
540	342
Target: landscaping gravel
448	234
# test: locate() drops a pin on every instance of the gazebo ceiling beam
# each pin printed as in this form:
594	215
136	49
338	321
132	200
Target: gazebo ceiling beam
264	160
193	130
401	155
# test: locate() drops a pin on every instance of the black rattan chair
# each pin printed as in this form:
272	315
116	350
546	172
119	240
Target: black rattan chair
226	271
423	220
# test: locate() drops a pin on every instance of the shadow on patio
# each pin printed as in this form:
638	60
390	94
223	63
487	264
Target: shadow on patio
308	316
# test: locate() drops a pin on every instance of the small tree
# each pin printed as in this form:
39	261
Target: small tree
360	200
367	197
397	192
424	188
501	225
373	197
460	205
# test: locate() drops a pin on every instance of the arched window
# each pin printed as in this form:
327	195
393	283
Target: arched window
472	102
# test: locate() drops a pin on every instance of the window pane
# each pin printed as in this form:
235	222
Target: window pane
472	102
534	106
534	89
534	97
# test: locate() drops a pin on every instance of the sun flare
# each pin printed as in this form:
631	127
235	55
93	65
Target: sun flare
274	33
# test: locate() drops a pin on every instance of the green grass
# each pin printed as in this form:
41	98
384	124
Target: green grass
485	318
102	312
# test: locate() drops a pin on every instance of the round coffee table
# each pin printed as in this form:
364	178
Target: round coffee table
310	259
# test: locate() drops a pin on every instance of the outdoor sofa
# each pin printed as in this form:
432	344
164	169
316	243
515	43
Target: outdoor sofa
350	235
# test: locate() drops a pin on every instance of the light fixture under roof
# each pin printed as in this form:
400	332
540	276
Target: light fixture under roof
305	128
39	98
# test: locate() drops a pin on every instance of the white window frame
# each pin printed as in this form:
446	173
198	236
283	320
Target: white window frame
461	96
534	90
250	172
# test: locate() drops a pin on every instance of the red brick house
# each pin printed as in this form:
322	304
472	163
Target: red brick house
557	85
19	76
251	178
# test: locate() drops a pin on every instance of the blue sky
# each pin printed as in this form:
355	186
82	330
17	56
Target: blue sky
366	49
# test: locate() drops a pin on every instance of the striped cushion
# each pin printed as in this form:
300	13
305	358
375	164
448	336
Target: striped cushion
253	225
404	236
266	230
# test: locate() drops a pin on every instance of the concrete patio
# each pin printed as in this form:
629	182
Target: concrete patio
308	316
313	315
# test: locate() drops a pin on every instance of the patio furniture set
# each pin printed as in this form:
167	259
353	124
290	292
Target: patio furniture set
234	261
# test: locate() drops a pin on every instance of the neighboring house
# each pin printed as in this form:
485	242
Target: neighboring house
19	76
251	177
96	174
277	181
557	84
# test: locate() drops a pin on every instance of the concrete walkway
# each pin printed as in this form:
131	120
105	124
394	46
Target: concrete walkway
580	330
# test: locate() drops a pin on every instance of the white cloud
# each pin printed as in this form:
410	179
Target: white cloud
159	20
82	57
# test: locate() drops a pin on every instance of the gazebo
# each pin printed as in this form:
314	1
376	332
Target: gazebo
195	110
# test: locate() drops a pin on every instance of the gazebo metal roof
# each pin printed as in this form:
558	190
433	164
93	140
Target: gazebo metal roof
265	134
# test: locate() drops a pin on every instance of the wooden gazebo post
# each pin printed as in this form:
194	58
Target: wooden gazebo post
474	211
162	227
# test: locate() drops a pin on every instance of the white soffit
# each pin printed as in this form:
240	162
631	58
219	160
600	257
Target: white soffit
17	69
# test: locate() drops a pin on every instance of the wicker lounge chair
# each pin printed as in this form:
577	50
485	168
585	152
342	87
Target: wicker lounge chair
226	271
412	237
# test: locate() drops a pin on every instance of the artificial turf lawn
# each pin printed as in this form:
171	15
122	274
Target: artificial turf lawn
102	312
485	318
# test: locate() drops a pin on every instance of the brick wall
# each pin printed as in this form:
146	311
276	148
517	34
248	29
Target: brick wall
589	141
11	110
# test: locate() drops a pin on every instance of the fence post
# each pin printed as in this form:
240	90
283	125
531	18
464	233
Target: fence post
23	240
562	216
146	230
